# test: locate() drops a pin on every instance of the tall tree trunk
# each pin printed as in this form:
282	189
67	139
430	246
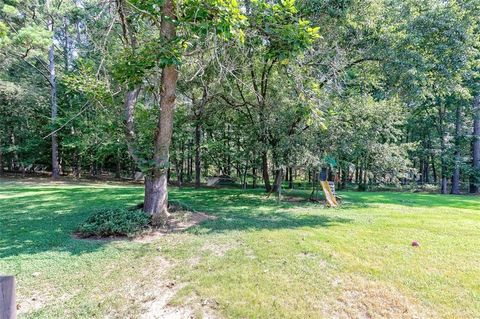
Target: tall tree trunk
254	173
456	171
190	161
443	149
344	177
15	162
365	179
357	167
434	170
198	163
76	164
277	183
360	177
53	98
265	174
244	175
426	171
443	180
156	192
1	157
290	178
475	177
421	172
118	170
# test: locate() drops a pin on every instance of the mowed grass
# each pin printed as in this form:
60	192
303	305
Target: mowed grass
257	259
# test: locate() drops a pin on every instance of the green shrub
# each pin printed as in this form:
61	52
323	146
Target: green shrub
107	222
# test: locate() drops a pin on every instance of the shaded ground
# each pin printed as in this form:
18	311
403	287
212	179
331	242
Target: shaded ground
255	259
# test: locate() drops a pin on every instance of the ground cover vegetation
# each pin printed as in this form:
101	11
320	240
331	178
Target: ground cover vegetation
255	259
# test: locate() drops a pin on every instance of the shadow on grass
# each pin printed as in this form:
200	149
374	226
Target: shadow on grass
37	219
250	211
42	219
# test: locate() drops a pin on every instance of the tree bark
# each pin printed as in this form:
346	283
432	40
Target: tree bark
290	180
265	175
1	158
443	162
426	171
244	175
277	183
356	172
118	171
475	177
76	164
53	98
156	191
190	161
15	161
456	171
198	162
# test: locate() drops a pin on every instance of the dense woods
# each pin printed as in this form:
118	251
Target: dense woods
378	92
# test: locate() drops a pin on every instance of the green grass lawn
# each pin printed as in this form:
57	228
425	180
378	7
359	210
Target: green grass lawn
257	259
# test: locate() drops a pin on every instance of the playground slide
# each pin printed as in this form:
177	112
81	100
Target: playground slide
332	202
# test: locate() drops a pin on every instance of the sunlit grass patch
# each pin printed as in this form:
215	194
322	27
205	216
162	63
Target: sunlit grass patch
254	259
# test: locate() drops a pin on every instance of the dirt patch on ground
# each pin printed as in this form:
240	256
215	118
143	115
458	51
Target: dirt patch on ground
182	220
361	298
179	221
157	293
295	199
218	249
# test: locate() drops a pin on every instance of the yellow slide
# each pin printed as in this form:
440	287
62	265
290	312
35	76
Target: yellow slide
331	200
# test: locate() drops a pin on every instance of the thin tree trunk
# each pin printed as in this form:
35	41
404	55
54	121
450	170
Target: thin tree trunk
475	177
313	181
1	158
441	129
360	177
443	180
190	161
244	177
254	173
15	162
76	164
53	98
426	171
364	180
344	177
266	177
290	180
434	170
422	173
277	184
456	171
198	163
156	192
356	172
118	171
